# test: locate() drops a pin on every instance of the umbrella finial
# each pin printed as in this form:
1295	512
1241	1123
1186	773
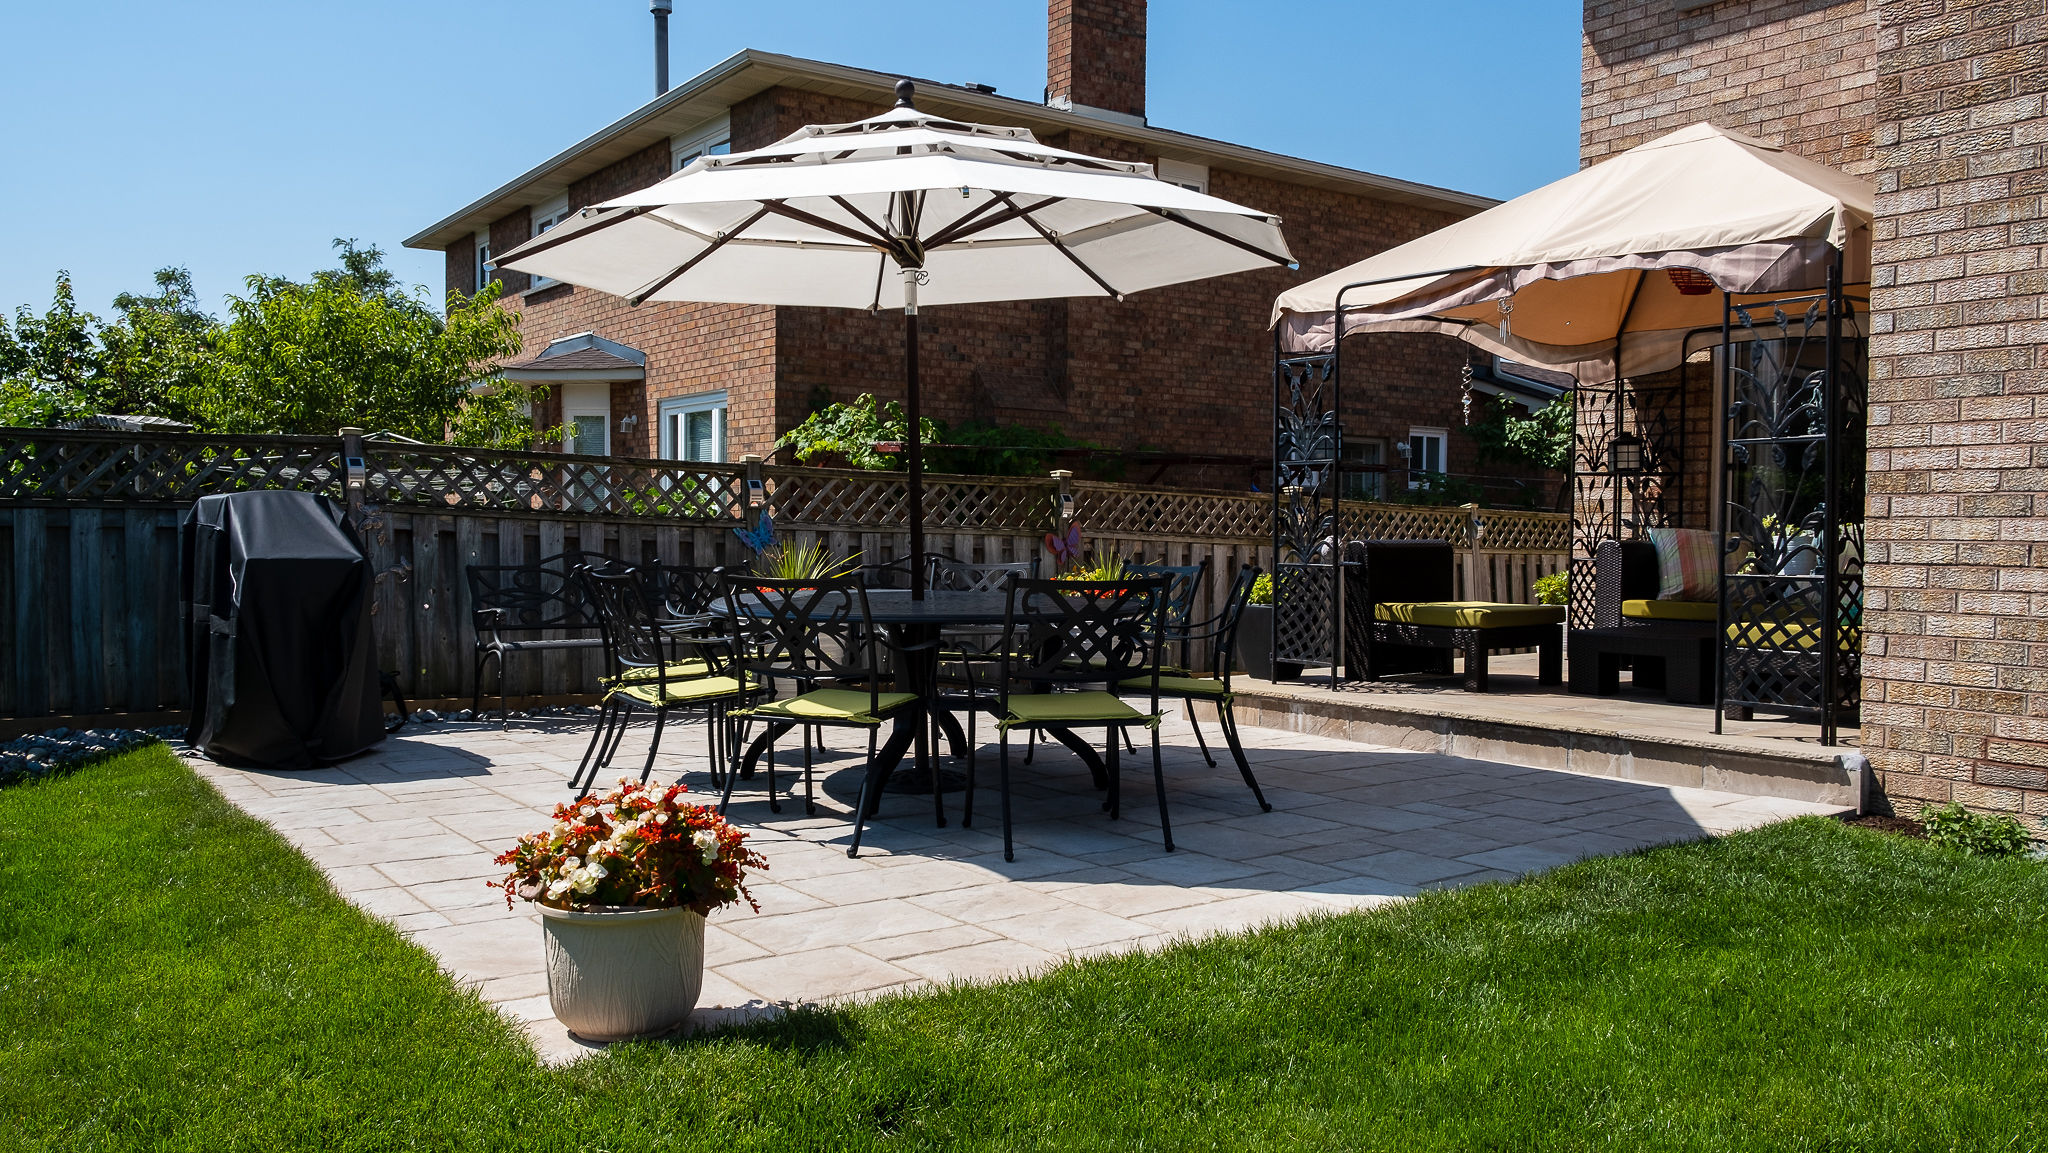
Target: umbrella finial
904	91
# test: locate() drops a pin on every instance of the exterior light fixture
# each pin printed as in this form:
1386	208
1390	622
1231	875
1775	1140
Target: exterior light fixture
1625	455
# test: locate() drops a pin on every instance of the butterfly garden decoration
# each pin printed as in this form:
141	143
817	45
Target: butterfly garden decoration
1065	547
761	537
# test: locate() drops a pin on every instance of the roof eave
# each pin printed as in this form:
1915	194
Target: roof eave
728	81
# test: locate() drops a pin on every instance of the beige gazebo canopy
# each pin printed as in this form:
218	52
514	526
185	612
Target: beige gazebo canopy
1634	253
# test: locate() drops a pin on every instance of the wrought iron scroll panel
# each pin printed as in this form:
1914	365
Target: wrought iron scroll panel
1306	450
1607	505
1793	509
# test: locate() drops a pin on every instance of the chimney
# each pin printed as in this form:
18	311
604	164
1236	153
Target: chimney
1095	57
661	9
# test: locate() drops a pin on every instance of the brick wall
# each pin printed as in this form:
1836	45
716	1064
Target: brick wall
1957	660
1941	104
1095	54
1796	72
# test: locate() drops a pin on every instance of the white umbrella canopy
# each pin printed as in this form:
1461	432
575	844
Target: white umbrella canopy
897	210
823	217
1630	254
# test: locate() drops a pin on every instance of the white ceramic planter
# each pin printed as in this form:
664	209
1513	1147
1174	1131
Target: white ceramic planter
625	972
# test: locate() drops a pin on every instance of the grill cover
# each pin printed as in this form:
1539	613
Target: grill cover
280	658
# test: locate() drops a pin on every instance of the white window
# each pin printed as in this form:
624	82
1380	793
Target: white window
1190	176
693	427
546	216
484	267
1425	453
713	139
587	417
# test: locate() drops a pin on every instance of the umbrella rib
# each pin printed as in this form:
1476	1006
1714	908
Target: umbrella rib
857	214
780	208
1214	234
640	297
959	229
544	242
1053	240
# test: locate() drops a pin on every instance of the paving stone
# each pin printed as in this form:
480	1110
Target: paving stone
818	974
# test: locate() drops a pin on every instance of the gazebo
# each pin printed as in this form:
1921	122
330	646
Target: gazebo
1709	292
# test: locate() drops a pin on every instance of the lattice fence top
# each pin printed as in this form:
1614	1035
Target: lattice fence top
461	478
67	465
1116	510
869	500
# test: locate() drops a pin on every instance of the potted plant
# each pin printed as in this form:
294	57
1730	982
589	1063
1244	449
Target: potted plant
623	883
1255	636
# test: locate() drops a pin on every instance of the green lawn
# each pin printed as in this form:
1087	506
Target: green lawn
174	976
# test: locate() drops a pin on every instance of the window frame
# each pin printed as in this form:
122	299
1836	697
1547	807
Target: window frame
580	398
671	416
1442	437
546	215
1185	173
482	267
713	138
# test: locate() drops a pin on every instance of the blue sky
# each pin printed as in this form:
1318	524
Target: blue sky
239	136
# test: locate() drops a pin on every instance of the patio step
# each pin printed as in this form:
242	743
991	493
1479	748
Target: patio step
1636	739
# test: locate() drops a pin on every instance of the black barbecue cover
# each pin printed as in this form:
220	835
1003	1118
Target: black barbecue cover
280	658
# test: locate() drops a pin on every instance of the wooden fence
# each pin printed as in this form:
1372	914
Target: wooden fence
89	542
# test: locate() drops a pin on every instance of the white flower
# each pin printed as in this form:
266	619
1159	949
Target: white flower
557	887
587	878
661	818
707	841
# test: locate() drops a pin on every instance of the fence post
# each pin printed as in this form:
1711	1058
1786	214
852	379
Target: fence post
1474	530
756	505
355	473
1063	512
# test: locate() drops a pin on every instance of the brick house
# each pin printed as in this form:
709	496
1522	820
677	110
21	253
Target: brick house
1940	103
1185	369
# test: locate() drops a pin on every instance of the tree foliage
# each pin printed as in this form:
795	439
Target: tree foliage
347	347
848	432
1543	439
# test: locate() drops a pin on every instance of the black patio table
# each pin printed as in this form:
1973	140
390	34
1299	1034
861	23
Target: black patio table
913	625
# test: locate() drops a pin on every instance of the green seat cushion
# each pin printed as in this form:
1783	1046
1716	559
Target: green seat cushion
848	706
677	671
1097	708
1179	686
1780	636
1467	614
1660	610
679	692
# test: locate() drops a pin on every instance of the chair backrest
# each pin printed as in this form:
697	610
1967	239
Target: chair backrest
1183	582
626	619
1083	631
681	590
888	574
1399	570
950	575
538	596
1220	631
806	631
1623	570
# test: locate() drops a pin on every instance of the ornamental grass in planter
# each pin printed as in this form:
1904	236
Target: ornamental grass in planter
623	883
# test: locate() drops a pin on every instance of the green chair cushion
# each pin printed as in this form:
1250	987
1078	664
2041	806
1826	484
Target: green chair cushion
1770	636
679	692
677	671
1180	687
847	706
1661	610
1467	614
1089	708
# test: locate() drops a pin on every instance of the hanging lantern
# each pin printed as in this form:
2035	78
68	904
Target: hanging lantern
1625	455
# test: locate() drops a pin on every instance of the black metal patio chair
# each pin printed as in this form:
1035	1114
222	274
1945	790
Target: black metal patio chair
1220	634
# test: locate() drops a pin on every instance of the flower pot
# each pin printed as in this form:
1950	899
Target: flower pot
624	972
1255	646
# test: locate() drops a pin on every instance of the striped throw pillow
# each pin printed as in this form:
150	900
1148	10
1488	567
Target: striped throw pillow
1688	565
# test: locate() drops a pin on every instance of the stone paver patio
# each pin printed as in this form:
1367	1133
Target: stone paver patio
408	832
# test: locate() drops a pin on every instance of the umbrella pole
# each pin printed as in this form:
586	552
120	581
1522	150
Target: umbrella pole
915	445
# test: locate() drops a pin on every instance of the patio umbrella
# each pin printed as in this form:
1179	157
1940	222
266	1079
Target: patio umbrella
1605	272
896	210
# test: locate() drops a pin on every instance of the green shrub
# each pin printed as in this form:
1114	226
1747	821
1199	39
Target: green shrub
1555	589
1979	835
1262	590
